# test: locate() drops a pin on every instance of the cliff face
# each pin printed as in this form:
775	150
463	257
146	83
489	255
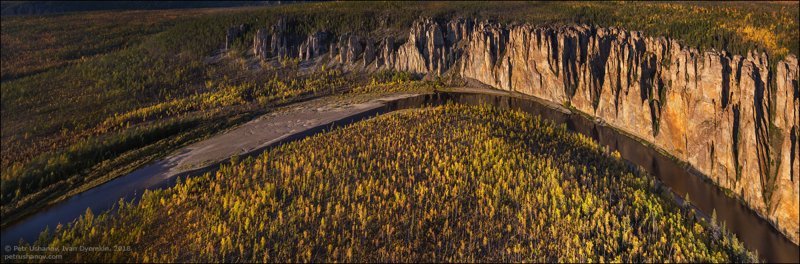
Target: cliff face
715	111
733	118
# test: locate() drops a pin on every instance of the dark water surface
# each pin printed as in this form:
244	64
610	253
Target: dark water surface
756	233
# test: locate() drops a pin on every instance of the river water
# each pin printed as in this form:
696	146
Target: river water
756	233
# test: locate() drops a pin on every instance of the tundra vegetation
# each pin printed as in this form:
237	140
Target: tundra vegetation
458	183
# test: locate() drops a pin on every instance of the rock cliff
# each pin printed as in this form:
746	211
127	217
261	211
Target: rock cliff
732	117
720	113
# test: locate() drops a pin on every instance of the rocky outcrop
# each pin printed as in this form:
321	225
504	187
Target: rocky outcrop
274	42
369	51
384	52
430	47
733	118
787	124
314	46
350	48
